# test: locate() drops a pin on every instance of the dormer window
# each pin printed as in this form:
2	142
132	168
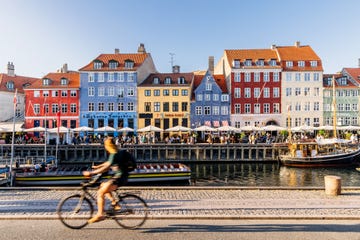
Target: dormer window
343	82
64	81
46	82
97	64
129	64
260	62
236	63
113	64
181	80
301	63
168	80
289	64
10	85
156	80
313	63
248	62
272	62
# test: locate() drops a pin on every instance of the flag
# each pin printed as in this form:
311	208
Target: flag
58	120
15	99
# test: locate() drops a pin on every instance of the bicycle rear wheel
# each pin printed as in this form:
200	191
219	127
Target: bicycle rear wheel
133	213
74	211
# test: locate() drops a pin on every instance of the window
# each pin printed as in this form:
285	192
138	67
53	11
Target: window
298	77
46	81
297	91
156	106
276	107
247	108
288	77
307	106
113	64
184	106
215	110
97	64
266	77
166	106
36	93
248	62
111	77
316	91
181	80
91	107
73	107
101	91
276	92
54	108
130	77
111	91
91	77
46	108
306	91
175	92
224	110
237	108
121	106
129	64
64	81
45	93
121	77
297	106
215	97
272	62
247	93
121	92
166	92
156	92
184	92
207	97
266	108
237	77
316	77
247	77
156	80
198	110
260	62
100	77
208	87
36	108
266	92
289	64
288	92
101	107
54	93
73	93
130	106
111	107
167	80
207	110
307	77
147	93
313	63
147	106
316	106
224	97
301	63
256	92
199	97
256	77
130	92
236	63
64	108
237	92
276	77
257	108
175	106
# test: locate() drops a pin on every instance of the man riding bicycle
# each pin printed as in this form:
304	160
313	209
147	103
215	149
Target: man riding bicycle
119	177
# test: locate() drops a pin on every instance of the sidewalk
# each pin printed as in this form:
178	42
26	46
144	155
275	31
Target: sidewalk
200	203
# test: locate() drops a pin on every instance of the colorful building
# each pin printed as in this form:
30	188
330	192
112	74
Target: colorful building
164	100
254	79
53	98
109	88
210	103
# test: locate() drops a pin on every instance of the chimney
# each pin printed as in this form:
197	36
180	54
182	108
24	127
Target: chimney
117	51
273	47
10	69
141	48
176	69
211	64
297	44
64	68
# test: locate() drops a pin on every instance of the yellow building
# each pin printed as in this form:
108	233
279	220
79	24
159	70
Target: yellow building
164	100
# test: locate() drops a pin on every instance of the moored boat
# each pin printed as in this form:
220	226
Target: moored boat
143	174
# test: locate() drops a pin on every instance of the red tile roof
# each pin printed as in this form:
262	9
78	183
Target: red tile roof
219	79
72	76
253	54
19	82
137	58
349	84
354	73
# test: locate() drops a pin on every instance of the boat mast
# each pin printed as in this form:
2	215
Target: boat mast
334	107
289	123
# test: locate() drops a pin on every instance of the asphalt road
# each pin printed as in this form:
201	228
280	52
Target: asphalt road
187	229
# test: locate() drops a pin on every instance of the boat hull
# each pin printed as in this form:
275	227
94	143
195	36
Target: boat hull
333	160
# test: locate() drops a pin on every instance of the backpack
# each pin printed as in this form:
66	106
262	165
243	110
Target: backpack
125	160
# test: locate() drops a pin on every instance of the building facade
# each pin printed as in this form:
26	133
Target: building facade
54	98
164	100
254	79
109	88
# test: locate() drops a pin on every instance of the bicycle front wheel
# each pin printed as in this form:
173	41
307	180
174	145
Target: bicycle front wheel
74	211
133	213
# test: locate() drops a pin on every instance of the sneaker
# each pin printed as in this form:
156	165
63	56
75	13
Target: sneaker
116	206
96	219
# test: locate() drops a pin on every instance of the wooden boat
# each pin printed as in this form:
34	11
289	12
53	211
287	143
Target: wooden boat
144	174
321	153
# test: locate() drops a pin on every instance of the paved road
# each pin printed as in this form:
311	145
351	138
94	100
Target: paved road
200	203
187	229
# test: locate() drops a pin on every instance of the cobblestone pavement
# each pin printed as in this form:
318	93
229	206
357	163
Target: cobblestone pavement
192	203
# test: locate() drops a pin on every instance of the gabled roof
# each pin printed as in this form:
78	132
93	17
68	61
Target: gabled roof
19	82
55	78
219	79
137	58
326	85
149	81
253	54
354	73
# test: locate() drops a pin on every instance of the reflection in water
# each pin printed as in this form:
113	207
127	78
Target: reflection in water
257	174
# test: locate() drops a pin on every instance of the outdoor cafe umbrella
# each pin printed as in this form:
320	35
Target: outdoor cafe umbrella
83	129
35	129
228	129
125	129
105	129
205	128
273	128
178	128
250	128
150	128
60	130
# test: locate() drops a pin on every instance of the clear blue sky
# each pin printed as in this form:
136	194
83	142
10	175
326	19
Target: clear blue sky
40	35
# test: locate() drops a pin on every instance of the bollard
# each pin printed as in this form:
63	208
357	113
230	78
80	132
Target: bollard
332	185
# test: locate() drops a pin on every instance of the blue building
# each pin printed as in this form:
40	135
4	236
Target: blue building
210	103
108	88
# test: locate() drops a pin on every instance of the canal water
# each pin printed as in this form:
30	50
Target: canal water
264	175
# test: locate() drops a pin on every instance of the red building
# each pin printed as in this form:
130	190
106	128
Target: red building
55	97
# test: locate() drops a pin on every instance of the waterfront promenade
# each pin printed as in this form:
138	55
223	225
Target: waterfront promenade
200	203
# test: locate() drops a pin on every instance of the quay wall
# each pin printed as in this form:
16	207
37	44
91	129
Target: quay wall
84	154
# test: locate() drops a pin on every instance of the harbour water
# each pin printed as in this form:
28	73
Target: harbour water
264	175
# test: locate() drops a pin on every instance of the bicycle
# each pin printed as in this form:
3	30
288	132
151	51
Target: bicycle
74	211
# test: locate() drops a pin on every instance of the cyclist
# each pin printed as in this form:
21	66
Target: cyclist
119	177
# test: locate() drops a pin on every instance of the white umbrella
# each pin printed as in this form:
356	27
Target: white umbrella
125	129
273	128
178	128
82	129
325	127
35	129
105	129
61	130
150	128
228	129
205	128
250	128
350	128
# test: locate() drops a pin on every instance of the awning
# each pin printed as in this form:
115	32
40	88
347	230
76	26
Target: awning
216	123
8	127
207	123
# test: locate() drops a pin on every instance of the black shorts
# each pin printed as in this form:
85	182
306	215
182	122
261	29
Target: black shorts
121	181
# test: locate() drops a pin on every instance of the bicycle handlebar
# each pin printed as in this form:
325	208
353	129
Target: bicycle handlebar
93	180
